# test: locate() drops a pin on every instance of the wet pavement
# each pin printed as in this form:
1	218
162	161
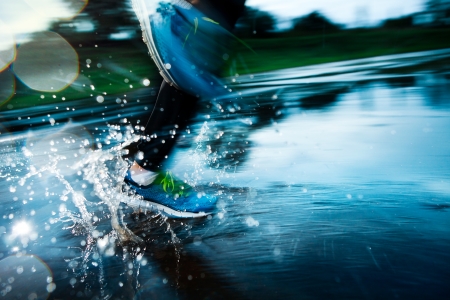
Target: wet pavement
333	182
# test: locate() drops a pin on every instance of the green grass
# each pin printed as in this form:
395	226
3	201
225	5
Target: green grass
121	62
122	69
296	51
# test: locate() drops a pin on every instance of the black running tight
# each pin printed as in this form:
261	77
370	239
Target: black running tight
172	113
174	109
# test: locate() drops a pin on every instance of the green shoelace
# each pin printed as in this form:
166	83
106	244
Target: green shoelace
195	27
172	185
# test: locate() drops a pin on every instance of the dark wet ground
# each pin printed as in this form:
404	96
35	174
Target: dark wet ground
333	181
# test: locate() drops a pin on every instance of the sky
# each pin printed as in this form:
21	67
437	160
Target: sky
22	16
348	12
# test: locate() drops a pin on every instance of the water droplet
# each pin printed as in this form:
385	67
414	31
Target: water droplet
197	241
51	287
32	296
73	264
73	281
276	251
251	222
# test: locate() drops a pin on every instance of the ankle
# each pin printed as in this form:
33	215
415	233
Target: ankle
140	175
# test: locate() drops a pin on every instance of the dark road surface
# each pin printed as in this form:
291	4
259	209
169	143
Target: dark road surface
333	180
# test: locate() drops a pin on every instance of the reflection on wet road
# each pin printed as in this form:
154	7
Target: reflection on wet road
333	181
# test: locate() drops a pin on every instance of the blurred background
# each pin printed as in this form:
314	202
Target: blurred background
63	50
330	156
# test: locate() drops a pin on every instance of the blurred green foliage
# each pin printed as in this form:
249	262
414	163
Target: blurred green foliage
403	22
115	68
119	67
295	50
314	23
255	23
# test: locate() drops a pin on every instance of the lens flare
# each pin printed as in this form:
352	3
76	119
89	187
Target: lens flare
7	46
47	63
21	228
27	277
58	9
7	86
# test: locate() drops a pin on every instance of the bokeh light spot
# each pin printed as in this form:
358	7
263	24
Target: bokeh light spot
21	228
47	63
27	276
7	46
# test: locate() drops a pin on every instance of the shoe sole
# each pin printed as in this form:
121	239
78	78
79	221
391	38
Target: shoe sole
143	17
149	206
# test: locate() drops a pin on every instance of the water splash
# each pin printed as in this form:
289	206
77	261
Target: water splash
100	169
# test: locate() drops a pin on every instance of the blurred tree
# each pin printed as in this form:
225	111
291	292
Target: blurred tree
101	19
437	4
110	15
439	10
402	22
314	22
255	23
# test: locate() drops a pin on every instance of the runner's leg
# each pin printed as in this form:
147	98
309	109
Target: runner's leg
171	114
174	108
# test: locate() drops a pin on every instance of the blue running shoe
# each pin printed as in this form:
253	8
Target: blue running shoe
170	197
188	48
